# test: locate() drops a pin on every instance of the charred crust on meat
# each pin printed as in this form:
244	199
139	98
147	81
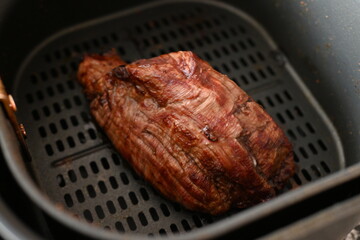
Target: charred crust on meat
243	107
121	73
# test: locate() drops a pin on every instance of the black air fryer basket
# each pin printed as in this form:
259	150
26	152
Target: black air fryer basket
299	59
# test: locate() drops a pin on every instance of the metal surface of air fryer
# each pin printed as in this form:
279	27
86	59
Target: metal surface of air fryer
74	163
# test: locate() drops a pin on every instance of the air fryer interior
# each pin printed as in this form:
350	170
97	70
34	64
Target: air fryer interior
74	163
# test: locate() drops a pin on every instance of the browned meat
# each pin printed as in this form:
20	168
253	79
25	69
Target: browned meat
187	129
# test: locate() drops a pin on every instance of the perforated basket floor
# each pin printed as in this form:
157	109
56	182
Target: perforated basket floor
73	161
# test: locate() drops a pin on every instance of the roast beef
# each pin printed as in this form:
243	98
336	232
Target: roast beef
189	130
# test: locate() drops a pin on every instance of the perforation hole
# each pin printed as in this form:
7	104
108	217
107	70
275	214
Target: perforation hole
85	117
81	137
44	76
88	216
60	180
34	78
296	158
262	74
92	133
57	107
144	194
313	149
306	174
197	221
77	100
280	117
298	111
252	59
74	121
111	207
50	91
244	79
325	167
154	215
134	200
234	64
67	104
124	178
315	171
310	128
53	128
253	77
165	210
42	132
91	191
119	226
271	71
301	131
35	114
102	187
46	111
54	73
122	203
177	207
297	179
105	163
57	54
113	182
208	56
80	196
99	212
29	98
39	95
162	232
226	68
64	70
322	145
260	103
94	167
60	88
72	176
64	124
185	225
174	228
70	141
83	172
116	159
270	102
243	62
131	223
68	200
49	150
47	58
60	145
303	152
143	219
234	48
217	53
291	134
67	52
290	115
287	95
